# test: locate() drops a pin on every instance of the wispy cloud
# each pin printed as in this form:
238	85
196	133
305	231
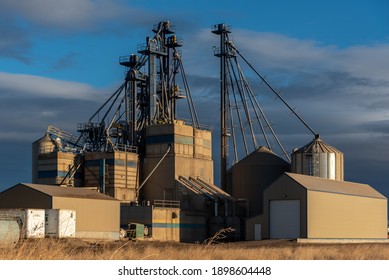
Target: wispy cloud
73	15
22	85
65	62
14	42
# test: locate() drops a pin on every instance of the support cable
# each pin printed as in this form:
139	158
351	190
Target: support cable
275	92
232	128
250	94
192	108
152	171
244	103
238	111
242	86
106	102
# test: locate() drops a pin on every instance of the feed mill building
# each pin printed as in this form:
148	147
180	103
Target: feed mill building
160	168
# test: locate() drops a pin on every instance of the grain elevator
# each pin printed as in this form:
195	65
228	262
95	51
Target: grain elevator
138	148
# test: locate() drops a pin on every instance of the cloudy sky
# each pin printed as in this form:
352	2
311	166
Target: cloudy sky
330	60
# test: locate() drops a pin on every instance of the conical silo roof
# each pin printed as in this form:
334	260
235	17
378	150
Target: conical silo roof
319	159
262	156
317	146
46	144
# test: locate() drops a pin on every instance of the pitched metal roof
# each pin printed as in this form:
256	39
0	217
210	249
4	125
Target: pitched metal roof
200	187
312	183
57	191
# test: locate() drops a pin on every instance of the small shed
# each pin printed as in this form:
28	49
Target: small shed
302	206
98	215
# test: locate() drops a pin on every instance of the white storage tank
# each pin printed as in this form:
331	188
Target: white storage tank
318	159
60	223
32	221
9	233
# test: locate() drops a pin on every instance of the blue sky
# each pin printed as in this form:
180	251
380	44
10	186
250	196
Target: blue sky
330	59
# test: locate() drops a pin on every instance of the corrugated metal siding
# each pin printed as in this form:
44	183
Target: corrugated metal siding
342	216
116	162
166	224
285	188
184	159
317	158
118	169
92	214
56	173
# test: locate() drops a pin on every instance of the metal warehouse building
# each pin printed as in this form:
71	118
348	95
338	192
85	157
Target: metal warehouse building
98	215
301	206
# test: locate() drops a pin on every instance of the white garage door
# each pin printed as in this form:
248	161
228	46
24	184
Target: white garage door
284	218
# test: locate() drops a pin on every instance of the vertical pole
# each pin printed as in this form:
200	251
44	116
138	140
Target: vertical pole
152	102
222	30
133	128
127	105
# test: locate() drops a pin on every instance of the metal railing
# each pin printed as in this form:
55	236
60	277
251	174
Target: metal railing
166	203
126	148
190	123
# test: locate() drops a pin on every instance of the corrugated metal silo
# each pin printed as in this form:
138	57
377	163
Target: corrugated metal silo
51	162
44	145
319	159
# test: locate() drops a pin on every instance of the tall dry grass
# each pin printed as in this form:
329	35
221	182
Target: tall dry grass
74	249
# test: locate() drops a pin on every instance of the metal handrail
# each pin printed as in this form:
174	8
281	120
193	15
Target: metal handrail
167	203
200	126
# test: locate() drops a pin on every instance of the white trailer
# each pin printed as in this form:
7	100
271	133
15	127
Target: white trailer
32	221
60	223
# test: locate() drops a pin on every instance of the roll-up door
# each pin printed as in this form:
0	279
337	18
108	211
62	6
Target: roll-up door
284	219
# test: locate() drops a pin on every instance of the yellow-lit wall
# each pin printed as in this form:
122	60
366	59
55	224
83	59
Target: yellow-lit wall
190	155
325	214
343	216
166	224
121	173
50	168
95	218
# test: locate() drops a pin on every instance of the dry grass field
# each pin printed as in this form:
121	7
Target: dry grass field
75	249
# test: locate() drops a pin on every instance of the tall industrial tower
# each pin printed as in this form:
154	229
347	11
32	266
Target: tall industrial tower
147	97
243	123
135	146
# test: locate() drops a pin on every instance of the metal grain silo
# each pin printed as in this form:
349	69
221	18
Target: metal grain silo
44	145
249	177
318	159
